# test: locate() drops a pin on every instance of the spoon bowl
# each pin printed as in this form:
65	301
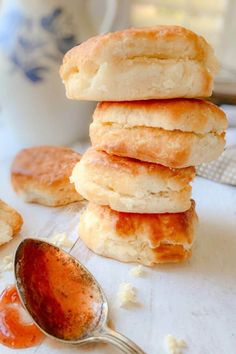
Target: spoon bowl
63	298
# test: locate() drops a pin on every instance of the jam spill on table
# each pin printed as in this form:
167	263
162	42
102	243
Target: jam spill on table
14	332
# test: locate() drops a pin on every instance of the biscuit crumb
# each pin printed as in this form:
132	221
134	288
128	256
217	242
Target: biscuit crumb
6	263
174	345
61	240
137	271
126	294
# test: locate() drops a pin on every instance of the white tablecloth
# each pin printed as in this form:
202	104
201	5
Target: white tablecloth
195	301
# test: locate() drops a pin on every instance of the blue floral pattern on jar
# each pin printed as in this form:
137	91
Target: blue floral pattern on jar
32	53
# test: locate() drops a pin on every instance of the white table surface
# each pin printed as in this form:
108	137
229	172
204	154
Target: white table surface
195	301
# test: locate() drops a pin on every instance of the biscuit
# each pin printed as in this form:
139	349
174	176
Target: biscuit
131	185
144	238
175	133
140	63
41	175
10	222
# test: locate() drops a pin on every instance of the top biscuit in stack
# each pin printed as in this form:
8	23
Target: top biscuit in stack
140	64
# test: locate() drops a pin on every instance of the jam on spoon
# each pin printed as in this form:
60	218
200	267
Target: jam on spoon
63	297
60	297
15	332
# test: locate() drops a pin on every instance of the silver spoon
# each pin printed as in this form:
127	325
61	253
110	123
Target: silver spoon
63	298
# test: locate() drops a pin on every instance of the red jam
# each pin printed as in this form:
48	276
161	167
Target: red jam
60	296
14	332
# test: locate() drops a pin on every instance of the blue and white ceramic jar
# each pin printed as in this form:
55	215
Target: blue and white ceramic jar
34	35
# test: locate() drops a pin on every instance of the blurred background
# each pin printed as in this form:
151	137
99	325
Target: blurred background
213	19
34	35
206	17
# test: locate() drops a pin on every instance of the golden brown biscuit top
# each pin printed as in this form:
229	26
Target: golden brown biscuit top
158	42
45	164
100	159
193	115
173	227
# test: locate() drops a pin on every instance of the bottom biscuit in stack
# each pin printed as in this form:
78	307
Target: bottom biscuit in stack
144	238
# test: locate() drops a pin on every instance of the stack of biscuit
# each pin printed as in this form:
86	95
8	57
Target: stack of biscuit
148	132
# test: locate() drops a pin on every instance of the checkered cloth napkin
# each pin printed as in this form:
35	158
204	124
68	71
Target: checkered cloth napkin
222	170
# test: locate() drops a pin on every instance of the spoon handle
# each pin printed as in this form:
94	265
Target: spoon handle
120	341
